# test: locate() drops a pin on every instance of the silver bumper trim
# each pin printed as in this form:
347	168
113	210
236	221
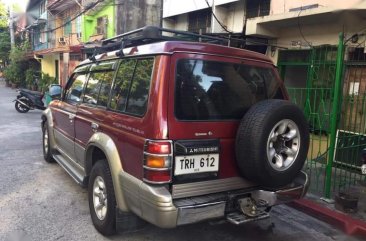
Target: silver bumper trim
197	213
156	205
296	190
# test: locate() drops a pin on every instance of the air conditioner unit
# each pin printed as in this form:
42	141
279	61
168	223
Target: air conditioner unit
62	40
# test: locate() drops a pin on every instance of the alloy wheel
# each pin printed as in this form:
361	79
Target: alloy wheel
100	198
283	145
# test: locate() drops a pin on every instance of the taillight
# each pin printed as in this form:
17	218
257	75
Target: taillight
158	161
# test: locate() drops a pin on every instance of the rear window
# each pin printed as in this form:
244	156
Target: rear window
210	90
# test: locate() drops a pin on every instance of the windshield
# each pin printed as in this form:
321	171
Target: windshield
210	90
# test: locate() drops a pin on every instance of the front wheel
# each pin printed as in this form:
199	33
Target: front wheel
20	107
102	202
47	154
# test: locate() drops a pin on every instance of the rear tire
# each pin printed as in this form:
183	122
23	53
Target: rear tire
20	107
272	143
102	201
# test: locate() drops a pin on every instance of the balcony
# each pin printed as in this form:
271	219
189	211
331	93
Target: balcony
40	46
57	6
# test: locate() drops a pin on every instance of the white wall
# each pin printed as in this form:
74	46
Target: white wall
236	17
176	7
283	6
232	16
179	22
319	34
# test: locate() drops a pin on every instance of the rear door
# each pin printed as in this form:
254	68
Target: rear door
209	97
92	109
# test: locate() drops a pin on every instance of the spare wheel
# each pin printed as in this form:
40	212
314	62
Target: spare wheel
272	143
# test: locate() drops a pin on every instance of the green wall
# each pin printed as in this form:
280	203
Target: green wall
90	22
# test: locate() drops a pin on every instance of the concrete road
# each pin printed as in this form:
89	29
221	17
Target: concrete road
39	201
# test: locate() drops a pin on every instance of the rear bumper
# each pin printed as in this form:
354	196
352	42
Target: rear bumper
296	190
156	205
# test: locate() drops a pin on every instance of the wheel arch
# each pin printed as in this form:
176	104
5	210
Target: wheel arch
101	145
47	117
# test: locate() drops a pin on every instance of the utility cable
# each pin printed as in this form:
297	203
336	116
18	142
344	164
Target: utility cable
214	15
73	18
300	30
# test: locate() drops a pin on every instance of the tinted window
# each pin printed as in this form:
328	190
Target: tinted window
98	87
139	90
105	88
73	94
122	85
131	89
92	89
208	90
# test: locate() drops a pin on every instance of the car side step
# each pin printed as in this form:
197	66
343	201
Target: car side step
72	171
240	218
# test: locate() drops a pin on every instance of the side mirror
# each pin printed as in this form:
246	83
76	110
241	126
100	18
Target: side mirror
55	92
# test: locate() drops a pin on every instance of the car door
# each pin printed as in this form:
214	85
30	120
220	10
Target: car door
92	109
64	114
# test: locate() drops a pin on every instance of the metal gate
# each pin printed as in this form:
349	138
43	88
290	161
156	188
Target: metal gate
333	98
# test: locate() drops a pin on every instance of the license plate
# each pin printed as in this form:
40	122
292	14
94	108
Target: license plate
196	164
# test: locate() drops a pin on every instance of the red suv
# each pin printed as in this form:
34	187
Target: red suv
177	132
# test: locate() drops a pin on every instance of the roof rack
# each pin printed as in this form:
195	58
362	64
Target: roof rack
151	34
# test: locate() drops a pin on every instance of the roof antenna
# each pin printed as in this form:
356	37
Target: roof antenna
120	52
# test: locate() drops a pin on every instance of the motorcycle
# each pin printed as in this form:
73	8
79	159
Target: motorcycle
29	100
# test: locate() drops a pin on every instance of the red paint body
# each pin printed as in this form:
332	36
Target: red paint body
130	133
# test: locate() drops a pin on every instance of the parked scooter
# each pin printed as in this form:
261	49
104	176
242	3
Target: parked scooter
29	100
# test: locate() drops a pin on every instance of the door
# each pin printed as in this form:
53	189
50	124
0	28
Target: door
64	115
92	109
209	96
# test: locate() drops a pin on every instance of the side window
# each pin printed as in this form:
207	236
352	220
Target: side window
92	90
122	85
98	87
140	86
73	94
105	88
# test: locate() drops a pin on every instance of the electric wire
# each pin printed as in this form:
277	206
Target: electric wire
214	15
300	30
93	5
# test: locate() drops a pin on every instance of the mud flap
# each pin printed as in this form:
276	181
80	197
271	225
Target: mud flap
127	222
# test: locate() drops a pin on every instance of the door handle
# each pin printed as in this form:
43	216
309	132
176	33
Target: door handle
94	126
71	117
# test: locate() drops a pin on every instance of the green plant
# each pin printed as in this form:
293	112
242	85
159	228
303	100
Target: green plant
15	71
30	77
46	81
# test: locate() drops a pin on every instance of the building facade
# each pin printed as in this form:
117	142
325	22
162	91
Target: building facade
198	16
300	24
225	18
133	14
64	32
